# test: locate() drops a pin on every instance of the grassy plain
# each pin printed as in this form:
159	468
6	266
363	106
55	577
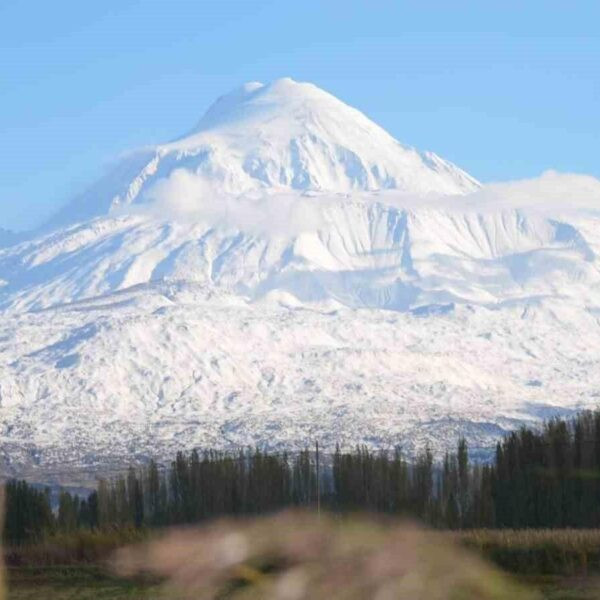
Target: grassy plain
553	564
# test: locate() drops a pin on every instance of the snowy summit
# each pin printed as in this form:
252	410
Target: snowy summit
281	136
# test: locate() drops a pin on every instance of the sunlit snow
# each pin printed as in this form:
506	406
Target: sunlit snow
289	272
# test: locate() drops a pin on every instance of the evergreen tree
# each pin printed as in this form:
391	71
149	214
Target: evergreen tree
68	512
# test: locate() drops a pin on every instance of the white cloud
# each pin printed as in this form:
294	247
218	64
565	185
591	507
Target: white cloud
551	190
187	196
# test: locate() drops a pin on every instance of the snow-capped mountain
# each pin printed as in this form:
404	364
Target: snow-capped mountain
282	136
288	271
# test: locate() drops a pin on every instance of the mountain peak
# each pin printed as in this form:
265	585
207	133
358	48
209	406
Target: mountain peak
282	98
294	135
281	136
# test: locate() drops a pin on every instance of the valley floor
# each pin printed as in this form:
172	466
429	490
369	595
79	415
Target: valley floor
560	565
76	583
93	583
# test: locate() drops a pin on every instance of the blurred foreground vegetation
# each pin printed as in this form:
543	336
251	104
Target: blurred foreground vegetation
353	557
528	552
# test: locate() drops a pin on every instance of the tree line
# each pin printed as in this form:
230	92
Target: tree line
537	478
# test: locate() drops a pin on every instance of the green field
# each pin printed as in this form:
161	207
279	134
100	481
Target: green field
91	583
76	583
553	564
560	588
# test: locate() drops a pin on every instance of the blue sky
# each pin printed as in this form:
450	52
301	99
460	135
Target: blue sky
504	89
